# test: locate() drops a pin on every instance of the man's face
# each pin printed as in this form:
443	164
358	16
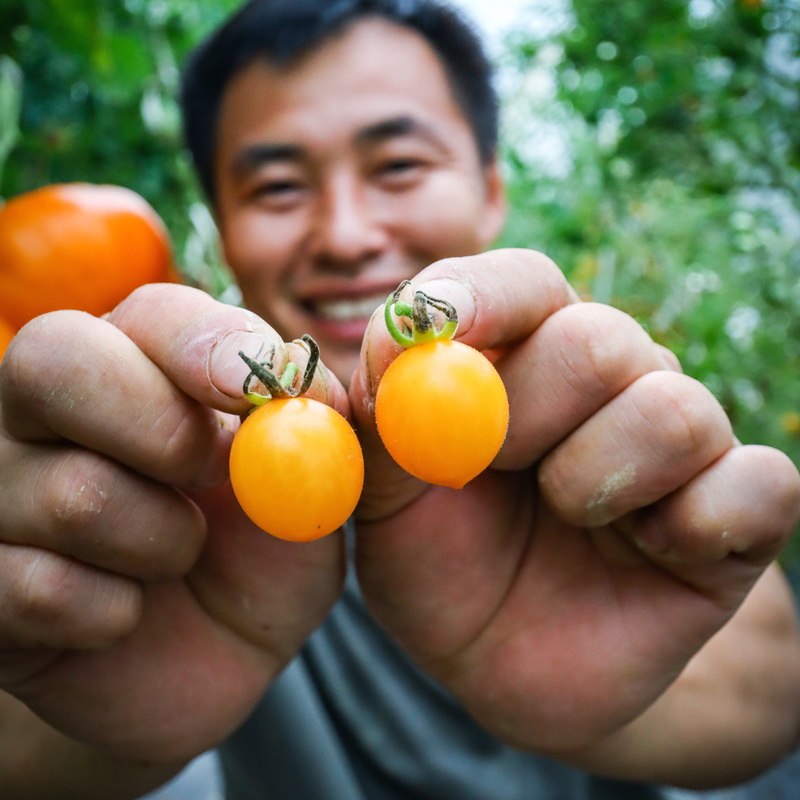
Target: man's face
343	175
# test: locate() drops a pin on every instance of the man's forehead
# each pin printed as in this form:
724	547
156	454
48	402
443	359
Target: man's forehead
352	91
372	53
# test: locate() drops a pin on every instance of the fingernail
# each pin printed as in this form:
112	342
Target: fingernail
457	294
226	369
380	349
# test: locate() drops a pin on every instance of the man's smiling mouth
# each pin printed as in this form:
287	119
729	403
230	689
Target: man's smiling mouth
348	309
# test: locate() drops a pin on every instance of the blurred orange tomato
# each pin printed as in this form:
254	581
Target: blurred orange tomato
78	245
7	332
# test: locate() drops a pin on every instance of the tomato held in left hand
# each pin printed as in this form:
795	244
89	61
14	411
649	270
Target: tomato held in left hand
296	465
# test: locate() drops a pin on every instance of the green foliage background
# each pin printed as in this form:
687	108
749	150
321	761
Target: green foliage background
652	148
99	82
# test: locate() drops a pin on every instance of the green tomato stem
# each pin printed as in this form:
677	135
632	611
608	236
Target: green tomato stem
422	327
289	374
282	387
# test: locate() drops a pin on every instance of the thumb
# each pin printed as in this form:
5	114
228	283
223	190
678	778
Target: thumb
196	340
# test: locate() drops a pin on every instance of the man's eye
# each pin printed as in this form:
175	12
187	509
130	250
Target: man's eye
277	188
399	165
279	193
400	172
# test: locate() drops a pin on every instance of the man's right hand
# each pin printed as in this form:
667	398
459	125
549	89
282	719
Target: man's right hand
140	611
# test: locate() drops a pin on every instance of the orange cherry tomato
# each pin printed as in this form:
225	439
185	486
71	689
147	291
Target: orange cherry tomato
296	468
442	412
78	245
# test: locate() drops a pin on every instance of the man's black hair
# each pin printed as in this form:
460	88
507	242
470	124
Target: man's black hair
280	31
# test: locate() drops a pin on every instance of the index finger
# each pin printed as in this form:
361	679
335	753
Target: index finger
196	341
140	385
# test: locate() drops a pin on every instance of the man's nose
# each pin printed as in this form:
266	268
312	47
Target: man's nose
348	227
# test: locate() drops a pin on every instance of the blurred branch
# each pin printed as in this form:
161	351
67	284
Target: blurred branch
11	82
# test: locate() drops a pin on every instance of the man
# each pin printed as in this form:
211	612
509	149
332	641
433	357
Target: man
601	602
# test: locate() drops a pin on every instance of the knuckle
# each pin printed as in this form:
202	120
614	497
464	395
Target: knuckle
88	501
76	492
56	602
605	349
683	413
786	479
779	480
44	591
36	350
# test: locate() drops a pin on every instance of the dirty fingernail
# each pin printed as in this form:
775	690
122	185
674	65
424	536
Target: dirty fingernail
226	369
456	293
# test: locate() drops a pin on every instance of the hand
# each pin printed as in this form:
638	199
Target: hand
140	611
563	590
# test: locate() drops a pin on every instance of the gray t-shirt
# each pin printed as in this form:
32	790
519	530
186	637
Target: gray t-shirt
353	719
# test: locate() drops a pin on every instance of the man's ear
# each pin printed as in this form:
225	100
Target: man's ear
496	203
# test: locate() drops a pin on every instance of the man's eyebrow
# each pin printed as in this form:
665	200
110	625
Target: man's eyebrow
250	158
254	156
397	127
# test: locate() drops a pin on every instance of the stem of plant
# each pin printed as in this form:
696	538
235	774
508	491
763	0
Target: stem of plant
282	387
423	327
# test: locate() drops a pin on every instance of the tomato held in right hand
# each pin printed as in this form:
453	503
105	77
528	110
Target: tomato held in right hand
441	408
296	465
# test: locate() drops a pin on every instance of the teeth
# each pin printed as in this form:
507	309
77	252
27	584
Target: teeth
347	310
